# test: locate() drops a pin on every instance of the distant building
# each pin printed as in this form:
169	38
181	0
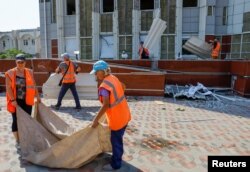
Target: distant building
27	40
106	28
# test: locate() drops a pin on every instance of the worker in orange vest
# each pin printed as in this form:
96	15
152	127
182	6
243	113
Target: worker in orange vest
20	90
68	70
215	49
143	52
114	104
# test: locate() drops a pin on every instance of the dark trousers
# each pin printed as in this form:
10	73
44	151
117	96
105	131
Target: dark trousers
117	147
64	89
25	107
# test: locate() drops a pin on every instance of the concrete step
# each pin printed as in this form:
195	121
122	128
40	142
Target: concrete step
86	87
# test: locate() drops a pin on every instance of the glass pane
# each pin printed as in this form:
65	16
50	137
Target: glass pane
236	38
146	20
210	10
246	38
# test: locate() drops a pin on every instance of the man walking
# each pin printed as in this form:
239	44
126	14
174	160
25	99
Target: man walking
68	69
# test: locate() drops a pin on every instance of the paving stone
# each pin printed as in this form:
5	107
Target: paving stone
159	137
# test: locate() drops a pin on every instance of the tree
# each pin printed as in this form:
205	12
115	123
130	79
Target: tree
11	54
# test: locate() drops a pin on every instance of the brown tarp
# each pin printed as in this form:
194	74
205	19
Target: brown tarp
48	141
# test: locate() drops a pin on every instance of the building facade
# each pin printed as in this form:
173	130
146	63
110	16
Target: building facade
106	28
27	40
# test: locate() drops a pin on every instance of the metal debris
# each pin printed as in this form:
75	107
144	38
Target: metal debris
193	92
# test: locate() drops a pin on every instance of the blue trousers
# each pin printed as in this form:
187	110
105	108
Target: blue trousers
117	147
64	89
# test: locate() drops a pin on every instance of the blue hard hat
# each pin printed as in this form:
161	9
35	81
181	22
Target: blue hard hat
99	65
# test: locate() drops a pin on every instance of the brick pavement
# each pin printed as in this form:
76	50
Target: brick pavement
163	136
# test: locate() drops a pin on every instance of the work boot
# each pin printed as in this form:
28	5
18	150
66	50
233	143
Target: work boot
78	108
108	167
56	107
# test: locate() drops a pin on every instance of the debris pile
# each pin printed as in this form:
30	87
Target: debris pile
214	98
191	92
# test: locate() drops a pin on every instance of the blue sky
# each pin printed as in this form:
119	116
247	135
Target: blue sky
19	14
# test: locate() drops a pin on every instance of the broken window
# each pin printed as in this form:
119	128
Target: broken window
107	46
190	3
4	45
224	19
33	42
147	4
71	7
107	6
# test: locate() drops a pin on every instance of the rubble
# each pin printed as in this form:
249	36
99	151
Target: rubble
193	92
208	98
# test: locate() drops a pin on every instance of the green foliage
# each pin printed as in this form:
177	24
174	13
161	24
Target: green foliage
11	54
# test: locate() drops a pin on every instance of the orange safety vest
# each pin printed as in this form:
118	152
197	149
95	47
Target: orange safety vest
141	50
118	115
70	75
30	88
216	51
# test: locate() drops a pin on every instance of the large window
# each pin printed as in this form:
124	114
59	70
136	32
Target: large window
147	4
107	6
236	46
71	7
190	3
245	51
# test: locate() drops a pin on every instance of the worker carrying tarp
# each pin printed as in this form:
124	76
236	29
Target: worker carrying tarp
115	106
50	142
